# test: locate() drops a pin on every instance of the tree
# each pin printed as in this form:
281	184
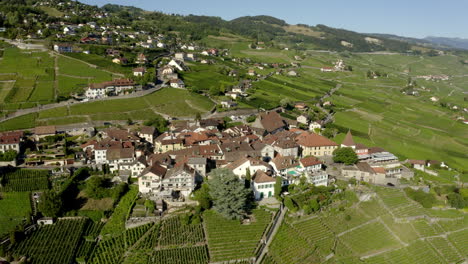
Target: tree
278	186
158	122
345	155
150	205
457	201
50	204
230	197
329	132
248	178
197	116
95	187
203	197
289	203
286	102
129	121
314	205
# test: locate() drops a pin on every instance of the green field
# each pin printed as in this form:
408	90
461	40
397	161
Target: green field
170	101
29	78
14	208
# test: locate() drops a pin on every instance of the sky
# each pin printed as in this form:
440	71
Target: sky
410	18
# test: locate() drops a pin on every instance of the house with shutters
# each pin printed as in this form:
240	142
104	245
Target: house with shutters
263	185
312	144
240	166
150	180
11	141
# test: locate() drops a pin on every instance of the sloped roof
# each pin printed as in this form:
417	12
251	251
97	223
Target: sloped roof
285	162
308	139
271	121
45	130
348	140
261	177
155	169
310	161
147	130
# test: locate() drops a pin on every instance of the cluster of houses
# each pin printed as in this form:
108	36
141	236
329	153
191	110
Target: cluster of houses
339	66
375	164
170	165
110	88
441	77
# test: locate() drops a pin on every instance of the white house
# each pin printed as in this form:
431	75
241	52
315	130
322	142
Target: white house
10	141
115	87
240	166
176	64
198	164
180	56
151	178
63	48
315	125
148	133
181	179
263	185
138	72
303	119
177	83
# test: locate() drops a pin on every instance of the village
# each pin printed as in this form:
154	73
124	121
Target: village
172	164
137	136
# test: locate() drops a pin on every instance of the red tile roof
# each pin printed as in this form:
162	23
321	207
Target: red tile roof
310	161
261	177
308	139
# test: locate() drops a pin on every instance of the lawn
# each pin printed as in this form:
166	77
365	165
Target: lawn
14	207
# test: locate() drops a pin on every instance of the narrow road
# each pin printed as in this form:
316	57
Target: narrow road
275	227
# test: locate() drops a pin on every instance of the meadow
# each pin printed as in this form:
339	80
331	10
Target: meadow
169	101
29	78
14	207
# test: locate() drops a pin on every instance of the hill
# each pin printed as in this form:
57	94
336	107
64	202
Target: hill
457	43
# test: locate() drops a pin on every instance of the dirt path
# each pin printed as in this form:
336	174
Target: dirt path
56	73
87	63
194	106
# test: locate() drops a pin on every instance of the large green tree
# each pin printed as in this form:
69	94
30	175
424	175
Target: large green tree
345	155
230	197
203	197
278	186
50	204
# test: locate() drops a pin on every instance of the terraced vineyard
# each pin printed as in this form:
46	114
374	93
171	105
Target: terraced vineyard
231	240
387	229
55	243
23	180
